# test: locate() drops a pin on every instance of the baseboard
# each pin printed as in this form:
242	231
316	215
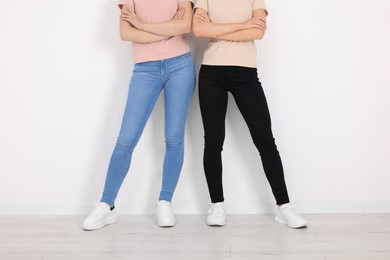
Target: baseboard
344	207
201	208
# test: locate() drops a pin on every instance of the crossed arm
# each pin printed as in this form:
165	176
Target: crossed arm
133	29
252	29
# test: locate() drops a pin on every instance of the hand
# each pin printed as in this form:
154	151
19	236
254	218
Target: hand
179	14
202	17
257	23
129	16
127	8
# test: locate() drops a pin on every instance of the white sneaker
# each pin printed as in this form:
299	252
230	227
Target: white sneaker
165	217
217	215
101	216
285	214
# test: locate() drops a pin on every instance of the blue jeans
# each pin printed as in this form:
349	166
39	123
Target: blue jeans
177	77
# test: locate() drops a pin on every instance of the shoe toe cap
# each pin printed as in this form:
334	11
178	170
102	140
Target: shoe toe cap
298	223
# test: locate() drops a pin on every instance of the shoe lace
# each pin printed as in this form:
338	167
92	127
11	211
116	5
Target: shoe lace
164	209
289	212
98	209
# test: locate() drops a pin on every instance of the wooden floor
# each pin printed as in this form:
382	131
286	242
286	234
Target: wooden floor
328	237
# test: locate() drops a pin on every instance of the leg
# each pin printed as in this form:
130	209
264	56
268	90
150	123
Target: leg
252	104
178	90
213	104
145	87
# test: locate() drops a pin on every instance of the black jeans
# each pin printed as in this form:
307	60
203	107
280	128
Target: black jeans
242	82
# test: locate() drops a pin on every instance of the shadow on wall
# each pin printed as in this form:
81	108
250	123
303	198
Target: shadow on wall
107	35
194	130
245	156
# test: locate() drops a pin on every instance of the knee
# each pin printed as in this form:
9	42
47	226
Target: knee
268	150
174	141
266	146
213	146
124	148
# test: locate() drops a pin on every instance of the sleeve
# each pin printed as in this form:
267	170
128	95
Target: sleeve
260	4
201	4
125	2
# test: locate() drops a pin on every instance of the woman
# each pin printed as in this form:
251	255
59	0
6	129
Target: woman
162	61
229	65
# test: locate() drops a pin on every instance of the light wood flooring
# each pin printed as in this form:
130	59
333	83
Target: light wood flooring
328	237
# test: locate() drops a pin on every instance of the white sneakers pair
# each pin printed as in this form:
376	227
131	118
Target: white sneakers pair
104	215
285	214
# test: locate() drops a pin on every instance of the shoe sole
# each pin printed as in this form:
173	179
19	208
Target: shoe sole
166	223
216	224
111	220
279	220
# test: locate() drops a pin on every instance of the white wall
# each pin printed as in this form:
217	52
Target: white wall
64	75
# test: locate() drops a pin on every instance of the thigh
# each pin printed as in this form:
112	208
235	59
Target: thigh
178	90
213	99
144	89
252	103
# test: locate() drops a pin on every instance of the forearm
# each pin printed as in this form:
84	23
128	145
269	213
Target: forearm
179	24
129	33
242	35
169	28
214	30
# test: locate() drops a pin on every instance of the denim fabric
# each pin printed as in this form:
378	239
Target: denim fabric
177	77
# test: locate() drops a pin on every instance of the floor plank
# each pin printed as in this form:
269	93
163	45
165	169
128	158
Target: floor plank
245	237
